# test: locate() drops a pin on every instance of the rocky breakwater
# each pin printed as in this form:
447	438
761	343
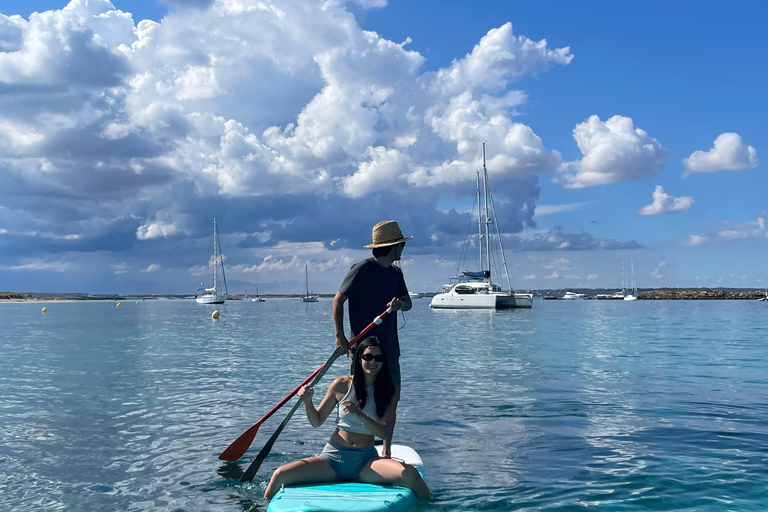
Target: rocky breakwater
699	294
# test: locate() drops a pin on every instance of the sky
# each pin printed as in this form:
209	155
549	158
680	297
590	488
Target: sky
613	130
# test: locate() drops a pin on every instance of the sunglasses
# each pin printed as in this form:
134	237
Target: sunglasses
379	358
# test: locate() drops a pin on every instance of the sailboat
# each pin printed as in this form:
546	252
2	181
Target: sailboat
257	298
632	295
474	289
307	297
214	295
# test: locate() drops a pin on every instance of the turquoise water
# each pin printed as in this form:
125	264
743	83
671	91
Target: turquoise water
571	405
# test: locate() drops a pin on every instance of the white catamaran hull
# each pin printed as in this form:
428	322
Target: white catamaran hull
452	300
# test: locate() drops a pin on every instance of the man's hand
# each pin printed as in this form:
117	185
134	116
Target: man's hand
342	341
396	304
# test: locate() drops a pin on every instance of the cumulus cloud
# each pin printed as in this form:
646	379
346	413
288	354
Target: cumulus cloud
614	150
156	229
287	113
664	203
592	277
154	267
729	153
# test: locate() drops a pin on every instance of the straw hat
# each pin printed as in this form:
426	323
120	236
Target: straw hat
386	233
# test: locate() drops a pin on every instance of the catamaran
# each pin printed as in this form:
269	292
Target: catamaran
474	289
214	295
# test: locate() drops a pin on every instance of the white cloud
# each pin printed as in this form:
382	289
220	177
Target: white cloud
664	203
561	264
729	153
554	275
550	209
154	267
735	230
499	57
592	277
156	229
529	276
656	272
120	268
694	240
612	151
37	264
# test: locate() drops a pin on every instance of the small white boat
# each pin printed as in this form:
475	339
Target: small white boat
473	289
632	295
574	296
415	295
307	296
214	295
257	298
764	298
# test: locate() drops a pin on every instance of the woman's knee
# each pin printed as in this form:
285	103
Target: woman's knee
409	474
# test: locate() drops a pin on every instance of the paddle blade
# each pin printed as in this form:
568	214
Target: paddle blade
240	445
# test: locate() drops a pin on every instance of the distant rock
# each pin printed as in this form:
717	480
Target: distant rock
698	294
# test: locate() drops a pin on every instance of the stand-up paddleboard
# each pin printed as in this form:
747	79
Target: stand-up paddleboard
350	496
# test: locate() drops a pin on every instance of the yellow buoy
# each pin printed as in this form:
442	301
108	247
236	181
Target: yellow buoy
45	310
215	315
117	305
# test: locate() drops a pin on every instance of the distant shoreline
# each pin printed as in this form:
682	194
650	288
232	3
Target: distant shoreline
651	294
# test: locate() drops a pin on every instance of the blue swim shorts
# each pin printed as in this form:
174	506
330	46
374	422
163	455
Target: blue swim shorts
347	462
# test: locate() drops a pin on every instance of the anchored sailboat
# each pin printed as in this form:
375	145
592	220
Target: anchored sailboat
214	295
632	295
474	289
307	297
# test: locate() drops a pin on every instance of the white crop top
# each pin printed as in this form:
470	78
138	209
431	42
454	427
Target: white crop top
352	423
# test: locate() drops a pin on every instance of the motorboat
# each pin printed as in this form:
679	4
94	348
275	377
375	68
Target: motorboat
475	289
574	296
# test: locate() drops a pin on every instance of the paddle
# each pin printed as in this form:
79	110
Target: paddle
256	464
240	445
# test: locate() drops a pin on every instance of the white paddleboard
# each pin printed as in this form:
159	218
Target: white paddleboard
350	496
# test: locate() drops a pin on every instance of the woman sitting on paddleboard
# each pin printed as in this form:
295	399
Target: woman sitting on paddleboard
366	409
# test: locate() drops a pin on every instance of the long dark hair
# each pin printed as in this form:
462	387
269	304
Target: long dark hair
383	387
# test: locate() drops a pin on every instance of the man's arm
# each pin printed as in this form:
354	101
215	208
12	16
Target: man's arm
338	320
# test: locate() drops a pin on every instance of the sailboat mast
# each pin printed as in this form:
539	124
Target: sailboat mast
479	223
485	214
215	258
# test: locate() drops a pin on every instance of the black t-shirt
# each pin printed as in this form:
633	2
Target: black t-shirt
369	288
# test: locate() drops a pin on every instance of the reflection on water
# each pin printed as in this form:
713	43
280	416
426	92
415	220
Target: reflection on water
638	406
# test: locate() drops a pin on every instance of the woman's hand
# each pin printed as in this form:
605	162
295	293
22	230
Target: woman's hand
351	407
305	393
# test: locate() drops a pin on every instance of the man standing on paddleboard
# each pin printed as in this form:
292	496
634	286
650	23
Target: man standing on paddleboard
371	286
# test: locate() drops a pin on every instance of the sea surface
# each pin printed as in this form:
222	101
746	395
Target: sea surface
573	405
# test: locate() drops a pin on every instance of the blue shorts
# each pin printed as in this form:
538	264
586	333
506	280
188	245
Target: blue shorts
347	462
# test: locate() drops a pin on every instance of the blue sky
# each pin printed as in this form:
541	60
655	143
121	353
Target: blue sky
613	131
